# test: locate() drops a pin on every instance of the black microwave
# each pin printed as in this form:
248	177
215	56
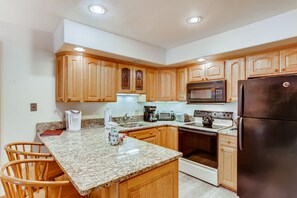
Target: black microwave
207	92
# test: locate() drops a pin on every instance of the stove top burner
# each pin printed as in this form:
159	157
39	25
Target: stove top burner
197	124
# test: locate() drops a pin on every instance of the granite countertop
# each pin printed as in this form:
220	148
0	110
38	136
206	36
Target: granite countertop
92	163
148	125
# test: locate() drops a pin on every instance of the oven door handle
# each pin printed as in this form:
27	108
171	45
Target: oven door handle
198	131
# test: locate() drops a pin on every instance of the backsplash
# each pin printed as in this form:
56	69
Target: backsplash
85	123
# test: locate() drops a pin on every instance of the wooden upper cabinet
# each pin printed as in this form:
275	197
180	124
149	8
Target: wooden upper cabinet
151	85
139	80
288	60
167	84
73	85
263	64
207	71
92	80
181	84
235	70
214	70
132	79
60	78
196	73
109	81
125	79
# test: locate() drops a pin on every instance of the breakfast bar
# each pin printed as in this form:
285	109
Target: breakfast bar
96	168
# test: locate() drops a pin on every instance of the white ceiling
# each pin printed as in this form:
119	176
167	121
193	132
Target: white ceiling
157	22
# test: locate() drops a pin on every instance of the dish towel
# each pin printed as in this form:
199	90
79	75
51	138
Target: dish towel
51	132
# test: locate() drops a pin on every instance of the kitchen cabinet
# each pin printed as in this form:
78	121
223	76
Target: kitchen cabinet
160	182
69	78
148	135
288	60
92	80
172	138
151	85
163	136
208	71
167	84
263	64
132	79
109	83
235	70
181	84
85	79
228	161
196	73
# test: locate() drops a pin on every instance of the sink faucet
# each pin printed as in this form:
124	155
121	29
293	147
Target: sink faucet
126	118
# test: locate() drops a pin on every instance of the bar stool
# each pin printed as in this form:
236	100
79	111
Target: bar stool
32	150
18	183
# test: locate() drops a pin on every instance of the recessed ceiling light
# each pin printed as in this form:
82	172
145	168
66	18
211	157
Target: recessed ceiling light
194	20
79	49
97	9
201	59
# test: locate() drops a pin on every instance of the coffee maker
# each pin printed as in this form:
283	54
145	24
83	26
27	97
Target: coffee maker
149	114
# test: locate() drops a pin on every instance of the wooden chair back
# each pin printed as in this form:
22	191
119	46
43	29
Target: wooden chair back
25	150
16	184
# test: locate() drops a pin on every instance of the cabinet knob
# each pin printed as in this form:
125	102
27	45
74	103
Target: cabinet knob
151	133
229	142
230	99
283	69
222	149
134	136
276	70
206	78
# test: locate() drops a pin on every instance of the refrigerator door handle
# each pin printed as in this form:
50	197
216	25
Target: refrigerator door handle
240	100
240	132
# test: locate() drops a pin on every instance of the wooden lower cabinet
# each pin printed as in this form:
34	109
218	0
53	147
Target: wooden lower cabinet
149	135
162	136
158	183
228	161
172	138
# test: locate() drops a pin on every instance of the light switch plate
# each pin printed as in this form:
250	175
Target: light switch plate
33	107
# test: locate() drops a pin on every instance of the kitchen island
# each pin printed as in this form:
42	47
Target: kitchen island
98	169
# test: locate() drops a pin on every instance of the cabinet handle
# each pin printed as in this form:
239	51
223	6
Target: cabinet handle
276	70
283	69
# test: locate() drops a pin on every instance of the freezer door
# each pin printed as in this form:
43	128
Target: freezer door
270	98
267	163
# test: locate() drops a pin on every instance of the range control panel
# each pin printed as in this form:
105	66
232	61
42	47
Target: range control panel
214	114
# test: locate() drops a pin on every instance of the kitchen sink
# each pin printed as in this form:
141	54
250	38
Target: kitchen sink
132	124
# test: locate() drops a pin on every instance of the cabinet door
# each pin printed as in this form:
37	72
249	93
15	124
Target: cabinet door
109	82
289	60
166	84
161	182
151	85
74	78
228	162
92	80
139	80
214	70
172	138
163	136
235	70
60	78
148	135
196	73
181	84
263	64
125	79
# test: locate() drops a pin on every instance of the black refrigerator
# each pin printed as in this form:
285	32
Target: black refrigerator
267	137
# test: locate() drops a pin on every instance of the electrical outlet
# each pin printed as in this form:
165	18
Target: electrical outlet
33	107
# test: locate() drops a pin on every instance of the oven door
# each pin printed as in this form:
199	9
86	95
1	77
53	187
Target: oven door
206	92
199	146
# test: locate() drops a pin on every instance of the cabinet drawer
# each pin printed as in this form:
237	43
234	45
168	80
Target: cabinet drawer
228	141
143	134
